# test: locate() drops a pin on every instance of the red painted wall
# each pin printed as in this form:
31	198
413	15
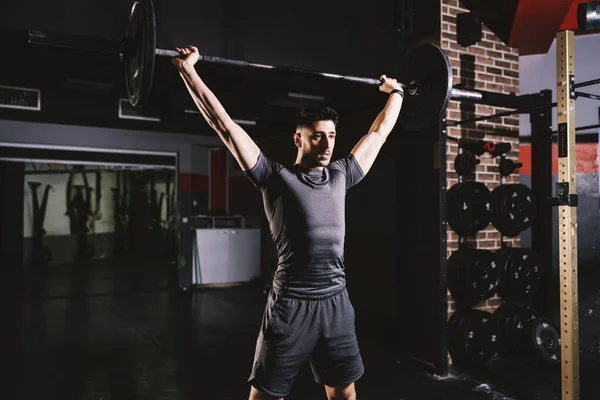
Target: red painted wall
586	156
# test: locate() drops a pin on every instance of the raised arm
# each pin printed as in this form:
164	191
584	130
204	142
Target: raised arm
367	148
239	143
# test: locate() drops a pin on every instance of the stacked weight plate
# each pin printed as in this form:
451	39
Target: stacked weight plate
513	208
523	332
473	275
472	336
520	273
468	205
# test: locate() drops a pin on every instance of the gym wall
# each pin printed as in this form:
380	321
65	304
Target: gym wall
491	66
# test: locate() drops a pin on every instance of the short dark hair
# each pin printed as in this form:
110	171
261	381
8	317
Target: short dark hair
310	115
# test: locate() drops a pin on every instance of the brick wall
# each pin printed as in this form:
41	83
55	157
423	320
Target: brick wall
492	66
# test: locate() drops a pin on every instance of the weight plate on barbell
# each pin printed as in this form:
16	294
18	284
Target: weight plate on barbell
140	50
428	66
513	208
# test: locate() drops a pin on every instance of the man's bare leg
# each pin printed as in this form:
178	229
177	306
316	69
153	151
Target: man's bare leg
347	392
256	394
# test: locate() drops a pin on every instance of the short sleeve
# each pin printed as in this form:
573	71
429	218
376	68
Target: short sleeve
350	167
262	171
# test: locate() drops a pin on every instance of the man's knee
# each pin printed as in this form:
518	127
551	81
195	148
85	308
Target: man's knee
256	394
347	392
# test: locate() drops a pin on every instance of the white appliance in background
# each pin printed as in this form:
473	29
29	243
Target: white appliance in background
226	256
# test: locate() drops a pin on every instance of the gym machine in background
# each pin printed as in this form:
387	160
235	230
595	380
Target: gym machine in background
41	255
556	344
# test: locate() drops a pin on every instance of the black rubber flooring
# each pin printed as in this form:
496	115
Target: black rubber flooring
119	329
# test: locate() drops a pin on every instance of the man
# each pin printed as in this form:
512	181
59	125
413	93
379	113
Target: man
308	315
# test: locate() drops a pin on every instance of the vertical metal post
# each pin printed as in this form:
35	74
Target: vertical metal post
440	163
546	300
567	214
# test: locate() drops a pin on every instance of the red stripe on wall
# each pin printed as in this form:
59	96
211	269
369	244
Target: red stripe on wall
237	184
193	182
586	157
240	185
217	190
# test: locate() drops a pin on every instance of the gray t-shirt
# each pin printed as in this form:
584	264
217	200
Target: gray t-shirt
306	214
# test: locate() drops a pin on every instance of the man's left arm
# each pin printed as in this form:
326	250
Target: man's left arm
368	147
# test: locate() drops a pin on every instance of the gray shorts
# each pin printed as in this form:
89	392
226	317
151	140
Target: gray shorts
296	330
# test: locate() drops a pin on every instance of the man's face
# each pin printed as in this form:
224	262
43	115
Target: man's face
317	142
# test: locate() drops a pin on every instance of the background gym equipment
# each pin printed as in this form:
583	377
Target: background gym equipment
472	336
473	275
41	255
120	212
478	147
508	166
520	272
513	330
468	207
78	198
465	162
522	332
513	208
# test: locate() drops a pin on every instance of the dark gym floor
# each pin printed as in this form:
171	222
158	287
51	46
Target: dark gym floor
117	330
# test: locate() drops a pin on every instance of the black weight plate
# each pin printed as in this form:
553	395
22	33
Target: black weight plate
456	281
140	38
505	314
501	257
456	346
428	66
453	345
468	207
480	336
521	328
525	273
465	162
482	274
545	340
513	208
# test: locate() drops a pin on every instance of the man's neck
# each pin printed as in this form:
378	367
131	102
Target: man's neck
306	165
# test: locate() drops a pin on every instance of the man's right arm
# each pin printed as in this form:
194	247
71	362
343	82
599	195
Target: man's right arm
239	143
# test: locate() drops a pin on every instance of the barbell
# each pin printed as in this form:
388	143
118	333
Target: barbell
426	74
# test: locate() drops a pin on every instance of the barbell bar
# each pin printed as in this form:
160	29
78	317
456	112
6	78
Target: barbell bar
411	88
427	76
